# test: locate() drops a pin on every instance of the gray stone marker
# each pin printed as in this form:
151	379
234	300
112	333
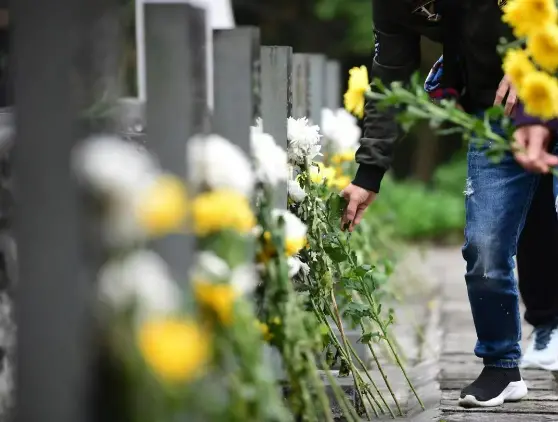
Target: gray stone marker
300	86
276	99
236	82
333	85
176	106
317	79
65	67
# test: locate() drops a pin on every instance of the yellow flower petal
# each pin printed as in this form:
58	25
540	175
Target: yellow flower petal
163	208
175	349
527	16
358	85
219	298
221	210
516	65
539	92
543	46
293	246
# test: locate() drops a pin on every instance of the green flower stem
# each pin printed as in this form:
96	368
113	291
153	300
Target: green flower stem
322	397
362	364
395	354
337	317
346	407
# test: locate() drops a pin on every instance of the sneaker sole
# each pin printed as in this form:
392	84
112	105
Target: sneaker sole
515	391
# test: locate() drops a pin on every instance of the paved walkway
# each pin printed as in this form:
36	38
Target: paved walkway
457	364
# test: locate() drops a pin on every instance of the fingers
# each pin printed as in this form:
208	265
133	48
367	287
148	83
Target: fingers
531	142
510	102
358	216
350	213
501	91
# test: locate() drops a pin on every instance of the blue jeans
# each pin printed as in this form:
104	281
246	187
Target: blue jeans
497	199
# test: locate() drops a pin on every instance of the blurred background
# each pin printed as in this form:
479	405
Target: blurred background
423	195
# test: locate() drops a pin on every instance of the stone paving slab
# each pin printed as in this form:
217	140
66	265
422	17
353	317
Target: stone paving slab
459	366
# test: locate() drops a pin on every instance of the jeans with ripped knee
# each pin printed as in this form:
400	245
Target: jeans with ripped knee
497	199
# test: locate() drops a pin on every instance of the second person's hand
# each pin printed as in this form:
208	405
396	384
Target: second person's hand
358	200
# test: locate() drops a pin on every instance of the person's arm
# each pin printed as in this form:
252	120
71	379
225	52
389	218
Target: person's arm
396	57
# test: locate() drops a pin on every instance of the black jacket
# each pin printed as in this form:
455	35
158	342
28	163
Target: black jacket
470	31
398	26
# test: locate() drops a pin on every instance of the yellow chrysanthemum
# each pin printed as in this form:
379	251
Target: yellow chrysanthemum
342	157
527	16
221	210
320	173
175	349
341	182
294	245
219	298
164	206
539	92
357	87
543	46
264	329
516	65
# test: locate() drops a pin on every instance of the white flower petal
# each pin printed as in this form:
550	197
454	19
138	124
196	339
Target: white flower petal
294	266
296	193
340	130
217	163
141	278
270	159
294	227
245	279
210	265
113	166
303	140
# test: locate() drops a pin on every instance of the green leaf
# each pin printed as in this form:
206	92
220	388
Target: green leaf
335	253
367	337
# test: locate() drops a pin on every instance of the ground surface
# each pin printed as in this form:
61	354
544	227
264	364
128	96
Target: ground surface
457	364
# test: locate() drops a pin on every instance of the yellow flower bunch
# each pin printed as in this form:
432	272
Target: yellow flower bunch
319	173
221	210
217	298
164	206
535	20
358	86
343	157
340	182
177	350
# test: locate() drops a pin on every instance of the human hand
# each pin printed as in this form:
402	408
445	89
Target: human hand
358	200
504	88
532	144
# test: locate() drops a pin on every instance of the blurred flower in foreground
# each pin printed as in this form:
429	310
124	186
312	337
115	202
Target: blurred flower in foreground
358	86
340	182
164	206
303	139
539	91
141	278
295	231
341	132
517	65
216	163
270	159
177	350
220	210
217	298
243	278
527	16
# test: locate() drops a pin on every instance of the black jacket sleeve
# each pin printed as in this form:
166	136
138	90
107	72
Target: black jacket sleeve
396	58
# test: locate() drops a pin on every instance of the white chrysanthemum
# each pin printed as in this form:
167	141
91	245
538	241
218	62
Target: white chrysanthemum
340	130
259	125
296	193
294	266
141	278
210	265
295	231
215	162
303	140
245	279
113	166
270	159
